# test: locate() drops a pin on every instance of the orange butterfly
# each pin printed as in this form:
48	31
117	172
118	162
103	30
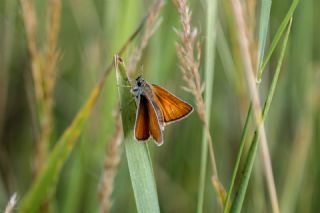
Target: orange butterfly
156	108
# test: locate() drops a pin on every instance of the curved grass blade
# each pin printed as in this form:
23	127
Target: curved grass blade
262	65
209	76
139	163
244	180
47	179
239	155
263	30
277	37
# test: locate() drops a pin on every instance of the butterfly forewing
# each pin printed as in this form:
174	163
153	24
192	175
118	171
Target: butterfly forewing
142	120
154	125
172	107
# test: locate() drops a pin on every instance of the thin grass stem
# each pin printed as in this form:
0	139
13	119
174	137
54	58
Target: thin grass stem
209	79
277	37
239	197
263	65
236	167
263	29
248	64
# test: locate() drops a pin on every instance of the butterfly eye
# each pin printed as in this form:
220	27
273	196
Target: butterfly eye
139	84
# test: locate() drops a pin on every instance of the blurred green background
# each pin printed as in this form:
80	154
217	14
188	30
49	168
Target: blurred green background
91	33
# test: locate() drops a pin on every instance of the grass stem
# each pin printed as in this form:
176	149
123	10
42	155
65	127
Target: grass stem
209	76
254	94
239	197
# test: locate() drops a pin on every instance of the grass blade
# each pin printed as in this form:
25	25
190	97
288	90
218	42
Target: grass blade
263	30
274	43
248	63
139	162
209	75
236	167
238	201
277	37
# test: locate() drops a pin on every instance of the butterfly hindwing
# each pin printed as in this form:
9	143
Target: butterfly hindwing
154	126
141	130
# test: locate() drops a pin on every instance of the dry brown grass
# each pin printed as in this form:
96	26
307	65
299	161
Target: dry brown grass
189	54
44	69
29	19
52	51
111	162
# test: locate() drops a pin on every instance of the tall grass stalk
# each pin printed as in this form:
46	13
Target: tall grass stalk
44	69
139	161
239	155
263	32
209	77
274	43
209	74
254	95
189	54
239	197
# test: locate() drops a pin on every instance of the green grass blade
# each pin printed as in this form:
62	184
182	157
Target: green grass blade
277	72
209	74
240	194
274	43
244	180
46	181
236	167
277	37
263	29
139	162
210	54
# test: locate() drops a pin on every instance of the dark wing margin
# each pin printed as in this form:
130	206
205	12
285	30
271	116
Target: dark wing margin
141	129
172	107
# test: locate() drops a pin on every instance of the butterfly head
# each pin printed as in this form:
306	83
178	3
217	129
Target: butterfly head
140	82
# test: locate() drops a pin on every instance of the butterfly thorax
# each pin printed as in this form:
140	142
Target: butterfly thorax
143	88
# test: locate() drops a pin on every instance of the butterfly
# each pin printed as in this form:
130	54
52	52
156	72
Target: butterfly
156	107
